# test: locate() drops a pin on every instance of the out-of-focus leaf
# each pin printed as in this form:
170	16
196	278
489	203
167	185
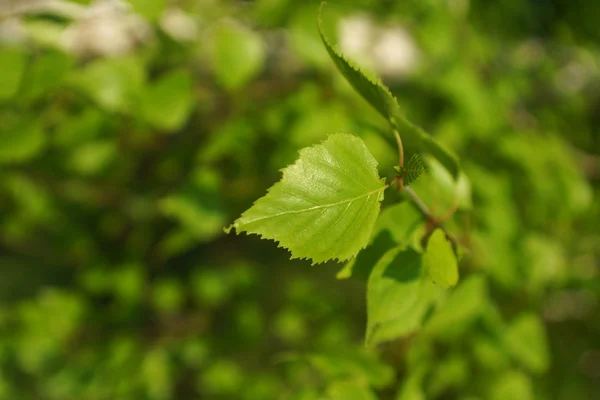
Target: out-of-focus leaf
79	128
20	141
46	74
197	207
451	373
114	83
156	370
358	366
348	390
167	102
440	261
398	296
168	295
92	158
512	385
526	341
237	54
150	9
326	204
221	378
12	67
210	287
461	306
411	388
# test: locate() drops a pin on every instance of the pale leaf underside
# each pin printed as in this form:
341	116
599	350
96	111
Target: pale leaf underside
325	205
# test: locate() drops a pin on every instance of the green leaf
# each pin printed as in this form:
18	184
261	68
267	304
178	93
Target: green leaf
150	9
20	140
415	139
115	84
12	67
396	226
413	170
526	341
440	261
46	74
462	305
197	207
238	55
357	366
168	102
397	296
348	390
326	204
512	385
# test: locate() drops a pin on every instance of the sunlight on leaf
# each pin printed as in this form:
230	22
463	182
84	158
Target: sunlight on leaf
326	204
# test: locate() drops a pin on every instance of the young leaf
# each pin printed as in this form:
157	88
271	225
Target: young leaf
379	96
440	261
326	204
413	170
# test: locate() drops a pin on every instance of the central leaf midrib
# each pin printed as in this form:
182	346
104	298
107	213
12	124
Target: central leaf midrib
338	203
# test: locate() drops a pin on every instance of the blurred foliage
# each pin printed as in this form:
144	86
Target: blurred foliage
131	134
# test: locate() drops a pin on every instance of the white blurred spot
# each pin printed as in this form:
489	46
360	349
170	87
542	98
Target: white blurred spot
179	25
395	52
106	28
390	52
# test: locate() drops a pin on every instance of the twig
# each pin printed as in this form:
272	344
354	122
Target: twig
431	219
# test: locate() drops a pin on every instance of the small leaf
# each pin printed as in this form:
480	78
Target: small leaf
416	140
413	170
440	261
326	204
397	296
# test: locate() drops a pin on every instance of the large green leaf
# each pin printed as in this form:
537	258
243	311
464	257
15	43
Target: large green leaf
416	140
326	204
398	297
440	261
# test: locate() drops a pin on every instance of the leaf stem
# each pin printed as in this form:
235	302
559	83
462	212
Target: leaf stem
400	149
400	178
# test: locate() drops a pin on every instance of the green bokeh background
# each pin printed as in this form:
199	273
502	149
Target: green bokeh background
132	133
